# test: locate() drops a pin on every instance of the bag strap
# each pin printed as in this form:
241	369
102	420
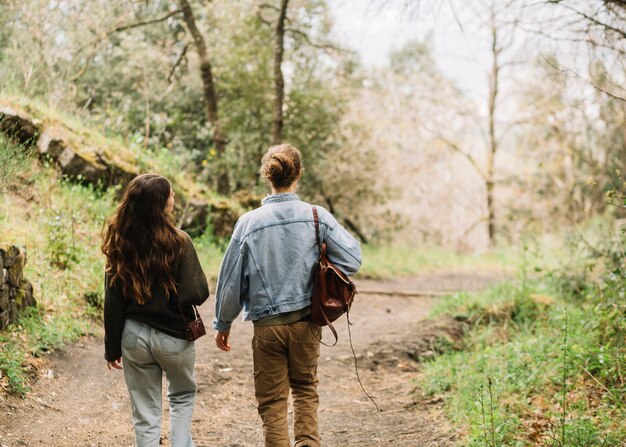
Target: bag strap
331	327
322	254
317	229
182	315
328	323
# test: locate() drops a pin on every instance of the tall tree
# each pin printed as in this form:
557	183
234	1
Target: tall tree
493	141
487	168
279	81
210	95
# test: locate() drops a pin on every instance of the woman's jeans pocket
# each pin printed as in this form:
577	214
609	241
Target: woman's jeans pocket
172	345
130	334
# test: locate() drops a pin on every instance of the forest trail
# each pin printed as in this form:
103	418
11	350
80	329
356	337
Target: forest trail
77	402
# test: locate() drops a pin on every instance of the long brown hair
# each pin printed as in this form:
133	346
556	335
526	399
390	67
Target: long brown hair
140	242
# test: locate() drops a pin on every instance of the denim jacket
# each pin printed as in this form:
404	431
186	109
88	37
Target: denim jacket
268	264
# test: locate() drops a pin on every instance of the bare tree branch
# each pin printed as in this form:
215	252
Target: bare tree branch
117	29
469	229
259	15
177	63
594	20
128	26
306	38
455	147
268	6
588	81
86	65
456	16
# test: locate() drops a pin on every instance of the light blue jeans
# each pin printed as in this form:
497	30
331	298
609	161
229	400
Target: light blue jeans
146	354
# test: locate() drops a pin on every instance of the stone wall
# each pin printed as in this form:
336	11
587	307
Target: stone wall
16	292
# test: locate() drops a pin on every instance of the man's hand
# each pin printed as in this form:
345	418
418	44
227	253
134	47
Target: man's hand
221	340
116	364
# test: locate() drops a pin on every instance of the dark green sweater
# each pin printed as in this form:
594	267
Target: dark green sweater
158	312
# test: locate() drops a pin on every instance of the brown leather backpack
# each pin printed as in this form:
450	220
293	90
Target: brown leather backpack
333	291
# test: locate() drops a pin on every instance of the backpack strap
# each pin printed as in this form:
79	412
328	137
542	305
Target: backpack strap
322	251
317	229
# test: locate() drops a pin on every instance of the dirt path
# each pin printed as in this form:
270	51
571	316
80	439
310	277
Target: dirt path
77	402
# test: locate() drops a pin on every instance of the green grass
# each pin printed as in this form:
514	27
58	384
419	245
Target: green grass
543	364
392	261
36	334
210	251
14	160
59	224
12	365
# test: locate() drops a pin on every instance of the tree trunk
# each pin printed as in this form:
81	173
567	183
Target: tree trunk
279	82
493	141
210	95
491	214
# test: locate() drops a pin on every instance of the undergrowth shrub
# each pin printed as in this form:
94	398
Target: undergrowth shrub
15	159
60	239
35	334
12	367
544	360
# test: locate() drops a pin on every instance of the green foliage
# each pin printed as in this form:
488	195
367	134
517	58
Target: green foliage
11	366
60	239
389	261
80	205
36	334
14	160
562	139
544	362
46	334
62	314
143	85
524	366
210	251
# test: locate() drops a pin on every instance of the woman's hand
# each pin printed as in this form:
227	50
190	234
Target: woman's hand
117	364
221	340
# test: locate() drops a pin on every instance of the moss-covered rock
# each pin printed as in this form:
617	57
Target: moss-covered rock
24	295
194	216
83	169
51	144
8	253
83	154
80	157
16	292
17	125
223	215
4	307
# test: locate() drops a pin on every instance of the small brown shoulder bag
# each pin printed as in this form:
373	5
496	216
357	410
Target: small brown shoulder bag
193	329
333	291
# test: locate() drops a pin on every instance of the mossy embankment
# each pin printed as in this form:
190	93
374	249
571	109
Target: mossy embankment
58	219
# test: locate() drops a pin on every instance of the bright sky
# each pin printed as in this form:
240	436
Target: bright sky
375	28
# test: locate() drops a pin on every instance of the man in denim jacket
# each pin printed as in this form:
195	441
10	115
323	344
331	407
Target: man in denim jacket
267	272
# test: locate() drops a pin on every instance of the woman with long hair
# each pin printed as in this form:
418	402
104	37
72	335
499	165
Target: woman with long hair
266	271
152	275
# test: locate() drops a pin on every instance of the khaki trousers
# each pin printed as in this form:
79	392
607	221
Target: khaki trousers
285	356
